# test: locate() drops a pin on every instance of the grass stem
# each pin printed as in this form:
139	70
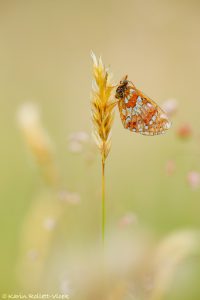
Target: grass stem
103	201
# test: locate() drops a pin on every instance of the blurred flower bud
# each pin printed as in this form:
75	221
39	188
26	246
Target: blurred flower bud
193	179
170	107
77	141
128	219
184	131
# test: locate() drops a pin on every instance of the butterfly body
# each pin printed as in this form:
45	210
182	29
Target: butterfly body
138	112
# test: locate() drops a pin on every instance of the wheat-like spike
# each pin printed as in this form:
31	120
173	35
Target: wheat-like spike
102	118
102	106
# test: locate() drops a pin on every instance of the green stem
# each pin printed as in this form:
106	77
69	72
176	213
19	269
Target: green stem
103	201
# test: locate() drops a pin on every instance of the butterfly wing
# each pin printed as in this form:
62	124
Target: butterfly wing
141	114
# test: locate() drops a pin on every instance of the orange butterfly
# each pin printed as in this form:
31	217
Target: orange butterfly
138	112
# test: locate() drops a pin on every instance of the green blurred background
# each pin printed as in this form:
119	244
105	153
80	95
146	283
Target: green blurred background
45	58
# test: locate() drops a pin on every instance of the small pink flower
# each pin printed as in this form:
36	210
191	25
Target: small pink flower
128	219
170	107
170	167
184	131
193	179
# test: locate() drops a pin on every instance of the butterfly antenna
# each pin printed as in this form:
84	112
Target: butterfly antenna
131	82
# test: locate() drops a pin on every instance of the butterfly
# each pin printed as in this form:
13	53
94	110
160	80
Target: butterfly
138	112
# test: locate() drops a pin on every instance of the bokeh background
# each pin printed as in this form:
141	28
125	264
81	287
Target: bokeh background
152	184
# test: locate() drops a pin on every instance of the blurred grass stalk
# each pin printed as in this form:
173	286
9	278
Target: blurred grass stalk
48	208
45	212
38	141
102	118
169	255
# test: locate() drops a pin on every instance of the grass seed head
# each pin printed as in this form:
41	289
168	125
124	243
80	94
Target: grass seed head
102	106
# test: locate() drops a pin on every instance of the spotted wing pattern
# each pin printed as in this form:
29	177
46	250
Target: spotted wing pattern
141	114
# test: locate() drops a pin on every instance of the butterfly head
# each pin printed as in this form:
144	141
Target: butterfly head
121	88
